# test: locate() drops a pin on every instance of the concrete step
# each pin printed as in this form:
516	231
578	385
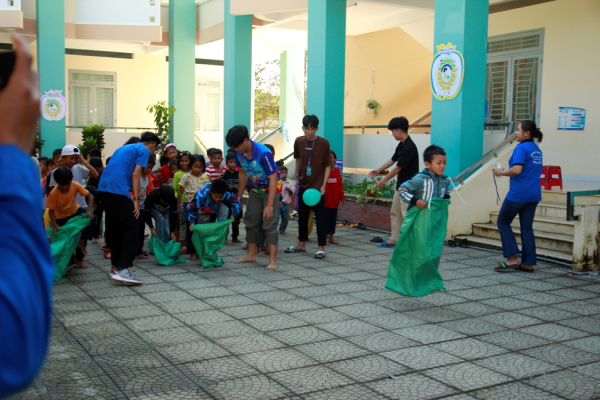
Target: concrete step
544	224
495	244
555	196
554	210
543	240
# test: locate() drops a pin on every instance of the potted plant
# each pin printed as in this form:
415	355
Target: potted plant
373	107
93	138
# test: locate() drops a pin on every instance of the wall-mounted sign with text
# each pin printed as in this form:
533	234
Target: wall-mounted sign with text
571	119
447	72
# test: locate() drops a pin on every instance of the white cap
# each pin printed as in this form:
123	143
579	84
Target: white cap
69	150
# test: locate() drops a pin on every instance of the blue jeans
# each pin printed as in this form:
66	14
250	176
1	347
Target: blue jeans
526	212
284	212
222	213
162	225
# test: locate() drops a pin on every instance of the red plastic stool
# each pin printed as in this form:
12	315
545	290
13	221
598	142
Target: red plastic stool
547	178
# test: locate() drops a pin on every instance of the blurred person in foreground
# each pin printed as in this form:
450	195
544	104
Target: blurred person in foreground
26	270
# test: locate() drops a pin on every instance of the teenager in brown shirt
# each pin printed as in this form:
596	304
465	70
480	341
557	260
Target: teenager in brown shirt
313	166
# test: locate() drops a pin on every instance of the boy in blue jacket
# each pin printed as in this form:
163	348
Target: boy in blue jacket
205	202
428	184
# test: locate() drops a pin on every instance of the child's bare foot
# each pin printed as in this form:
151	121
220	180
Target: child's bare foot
282	233
271	267
227	242
82	248
194	257
236	241
245	247
100	235
333	241
141	257
261	253
95	240
246	258
81	264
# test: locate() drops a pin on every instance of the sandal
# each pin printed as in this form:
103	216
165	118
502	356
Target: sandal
361	226
376	239
320	255
451	243
293	249
528	270
504	267
463	243
345	222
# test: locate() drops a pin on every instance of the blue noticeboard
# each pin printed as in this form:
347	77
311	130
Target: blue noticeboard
571	119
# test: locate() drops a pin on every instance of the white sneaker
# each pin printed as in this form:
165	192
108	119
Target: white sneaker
126	276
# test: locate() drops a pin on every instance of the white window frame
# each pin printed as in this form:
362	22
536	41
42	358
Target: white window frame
520	53
93	85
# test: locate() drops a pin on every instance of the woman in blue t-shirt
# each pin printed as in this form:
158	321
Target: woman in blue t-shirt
525	169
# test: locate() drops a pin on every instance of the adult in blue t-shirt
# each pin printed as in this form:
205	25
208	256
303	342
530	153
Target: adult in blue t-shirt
259	172
120	178
27	271
525	169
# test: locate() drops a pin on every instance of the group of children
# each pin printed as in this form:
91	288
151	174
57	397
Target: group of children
187	191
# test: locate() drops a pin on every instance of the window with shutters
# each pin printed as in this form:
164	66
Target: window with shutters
513	87
92	98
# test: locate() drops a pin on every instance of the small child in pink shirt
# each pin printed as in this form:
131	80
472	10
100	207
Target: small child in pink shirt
287	191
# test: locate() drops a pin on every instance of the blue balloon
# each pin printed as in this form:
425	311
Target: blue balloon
311	197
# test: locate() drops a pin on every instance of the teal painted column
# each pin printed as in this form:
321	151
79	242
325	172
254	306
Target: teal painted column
457	124
326	69
182	75
50	22
237	86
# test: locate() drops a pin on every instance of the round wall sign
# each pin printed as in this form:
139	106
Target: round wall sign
447	72
53	105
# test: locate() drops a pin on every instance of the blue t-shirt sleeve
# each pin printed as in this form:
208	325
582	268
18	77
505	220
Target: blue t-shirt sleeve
268	163
142	156
25	292
237	159
519	156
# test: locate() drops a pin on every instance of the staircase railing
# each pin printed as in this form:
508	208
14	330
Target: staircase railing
510	138
571	202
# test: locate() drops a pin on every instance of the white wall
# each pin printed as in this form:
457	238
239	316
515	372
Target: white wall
4	5
118	12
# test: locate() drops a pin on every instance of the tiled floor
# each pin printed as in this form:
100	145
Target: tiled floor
322	330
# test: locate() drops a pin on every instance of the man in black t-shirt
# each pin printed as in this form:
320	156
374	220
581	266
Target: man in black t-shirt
406	158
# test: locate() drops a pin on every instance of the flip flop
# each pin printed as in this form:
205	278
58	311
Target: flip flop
504	267
320	255
386	245
451	243
376	239
463	243
293	249
530	271
361	226
345	222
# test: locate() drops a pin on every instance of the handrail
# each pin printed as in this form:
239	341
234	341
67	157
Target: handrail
571	202
199	142
115	127
510	138
267	136
363	127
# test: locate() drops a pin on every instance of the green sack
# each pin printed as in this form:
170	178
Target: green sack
166	253
64	242
208	239
413	269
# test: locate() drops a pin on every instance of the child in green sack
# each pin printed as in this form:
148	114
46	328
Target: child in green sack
413	269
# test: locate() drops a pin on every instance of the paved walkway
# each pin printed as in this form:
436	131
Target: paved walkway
322	330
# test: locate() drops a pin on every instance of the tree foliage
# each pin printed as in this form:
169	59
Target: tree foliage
266	94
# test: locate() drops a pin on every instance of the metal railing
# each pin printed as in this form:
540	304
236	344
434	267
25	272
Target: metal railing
571	202
510	138
123	128
261	139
